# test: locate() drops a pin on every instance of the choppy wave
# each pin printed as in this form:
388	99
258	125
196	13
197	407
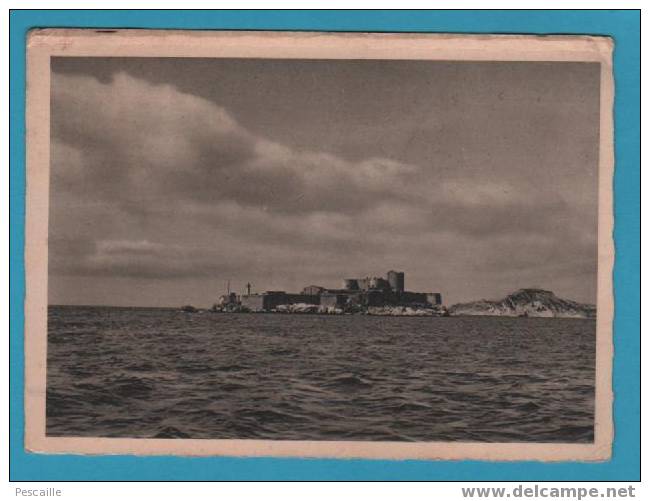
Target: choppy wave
133	372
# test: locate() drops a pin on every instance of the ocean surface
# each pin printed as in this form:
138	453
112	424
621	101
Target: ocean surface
140	372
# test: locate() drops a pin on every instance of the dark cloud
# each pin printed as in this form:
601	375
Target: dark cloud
138	140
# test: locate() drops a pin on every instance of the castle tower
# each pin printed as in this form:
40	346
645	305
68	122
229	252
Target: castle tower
396	280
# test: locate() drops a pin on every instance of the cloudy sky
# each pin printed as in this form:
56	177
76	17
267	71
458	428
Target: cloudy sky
171	176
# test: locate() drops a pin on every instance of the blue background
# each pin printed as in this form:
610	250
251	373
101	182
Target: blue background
623	26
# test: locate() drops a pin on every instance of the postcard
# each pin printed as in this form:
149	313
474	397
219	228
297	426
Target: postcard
348	245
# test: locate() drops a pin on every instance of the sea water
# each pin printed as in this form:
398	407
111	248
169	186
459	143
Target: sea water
144	372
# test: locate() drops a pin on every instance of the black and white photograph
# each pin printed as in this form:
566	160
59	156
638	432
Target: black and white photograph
353	249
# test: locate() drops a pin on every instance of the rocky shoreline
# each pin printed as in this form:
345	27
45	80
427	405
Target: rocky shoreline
522	303
303	308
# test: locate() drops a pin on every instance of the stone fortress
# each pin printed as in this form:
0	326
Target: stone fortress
357	294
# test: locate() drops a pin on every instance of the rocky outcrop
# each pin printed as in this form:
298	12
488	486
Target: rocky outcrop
307	308
387	311
406	311
526	303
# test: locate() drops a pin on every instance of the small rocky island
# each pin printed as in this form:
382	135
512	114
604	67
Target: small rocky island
526	303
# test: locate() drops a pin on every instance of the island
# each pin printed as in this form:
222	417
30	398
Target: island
370	295
526	303
386	296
